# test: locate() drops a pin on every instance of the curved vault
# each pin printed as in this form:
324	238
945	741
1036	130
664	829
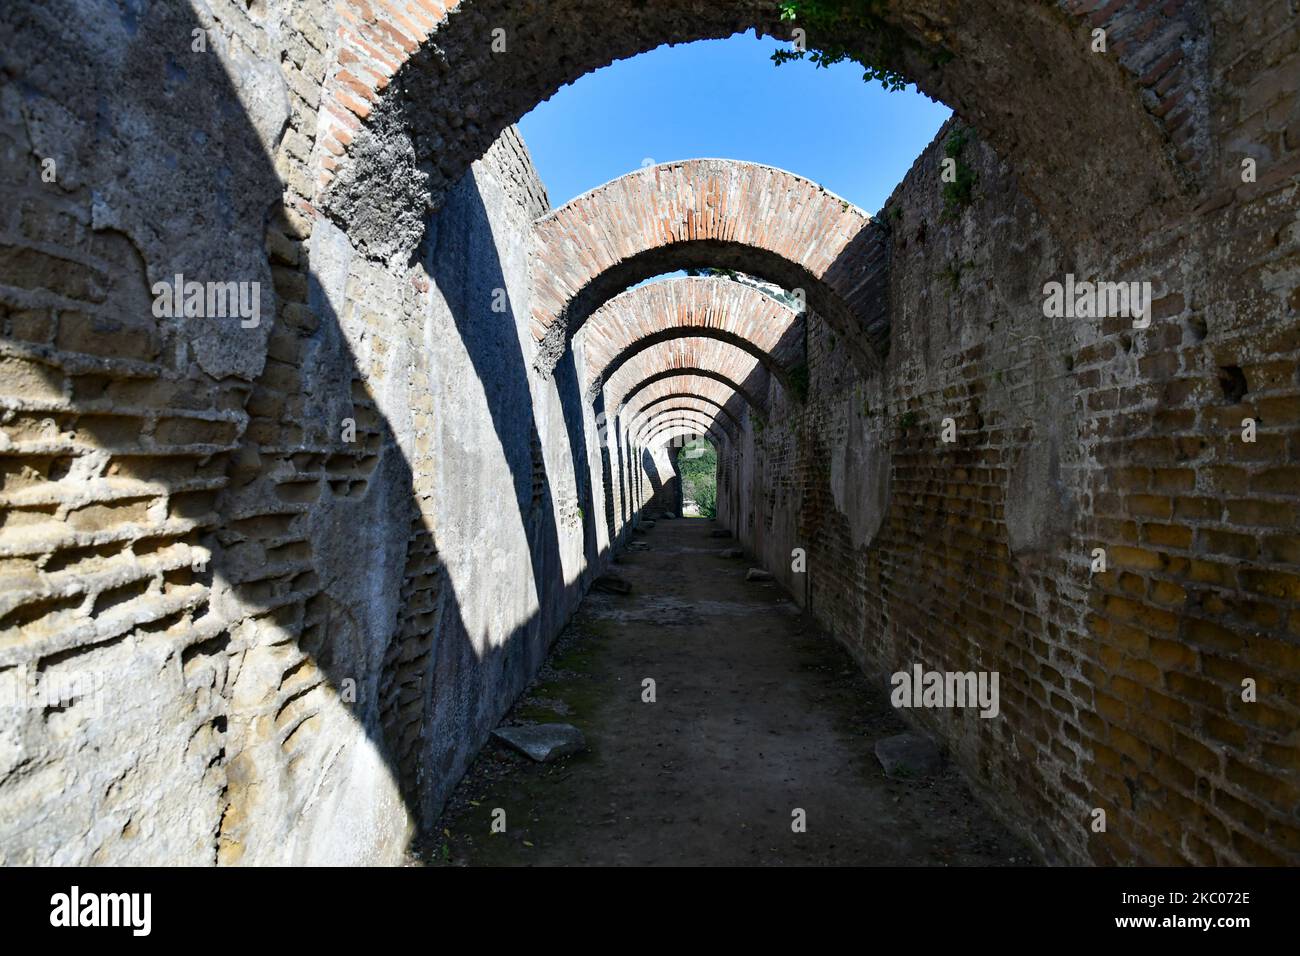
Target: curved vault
736	396
679	430
688	354
754	219
688	405
727	416
646	428
718	308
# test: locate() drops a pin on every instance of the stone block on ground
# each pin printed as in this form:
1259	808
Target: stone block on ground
758	574
909	755
543	742
731	553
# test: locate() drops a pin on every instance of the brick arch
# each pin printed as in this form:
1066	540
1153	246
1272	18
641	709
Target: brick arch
644	423
677	355
720	393
755	219
673	430
725	414
731	311
688	378
418	92
654	417
681	416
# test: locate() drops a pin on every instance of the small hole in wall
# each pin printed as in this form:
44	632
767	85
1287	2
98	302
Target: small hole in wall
1233	382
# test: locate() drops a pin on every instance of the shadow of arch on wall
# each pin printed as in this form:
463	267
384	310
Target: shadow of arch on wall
263	513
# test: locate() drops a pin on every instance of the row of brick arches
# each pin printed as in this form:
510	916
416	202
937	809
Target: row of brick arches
322	548
761	221
1063	96
757	220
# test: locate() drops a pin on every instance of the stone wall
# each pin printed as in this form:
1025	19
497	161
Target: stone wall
282	577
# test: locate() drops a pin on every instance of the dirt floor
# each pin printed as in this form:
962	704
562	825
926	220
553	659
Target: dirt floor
757	715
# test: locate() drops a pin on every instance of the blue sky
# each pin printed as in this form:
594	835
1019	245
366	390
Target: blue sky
727	99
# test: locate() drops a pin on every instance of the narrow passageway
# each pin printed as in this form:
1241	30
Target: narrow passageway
339	356
756	715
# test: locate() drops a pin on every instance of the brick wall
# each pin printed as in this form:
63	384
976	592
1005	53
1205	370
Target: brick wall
247	556
1121	690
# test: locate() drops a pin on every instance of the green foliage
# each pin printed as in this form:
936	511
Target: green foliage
710	271
907	420
951	273
838	18
958	193
955	143
698	464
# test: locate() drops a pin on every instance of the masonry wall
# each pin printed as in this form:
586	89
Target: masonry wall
266	586
1120	690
